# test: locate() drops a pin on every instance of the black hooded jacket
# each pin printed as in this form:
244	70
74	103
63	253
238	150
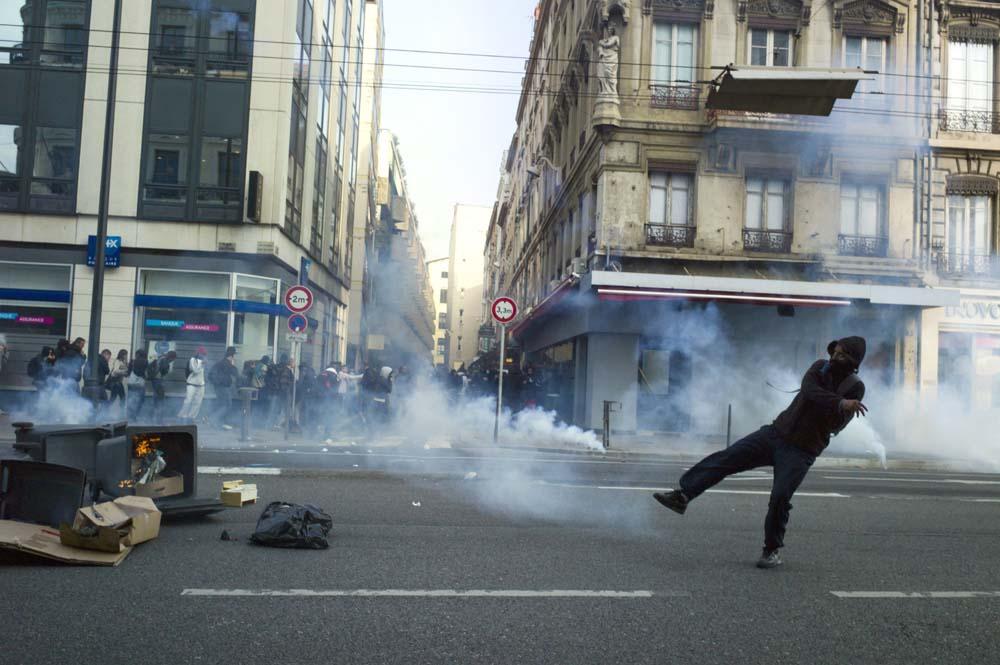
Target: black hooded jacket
815	412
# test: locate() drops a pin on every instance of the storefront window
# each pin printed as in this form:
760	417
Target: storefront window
253	332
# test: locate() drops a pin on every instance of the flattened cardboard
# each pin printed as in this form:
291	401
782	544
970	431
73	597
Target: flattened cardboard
165	485
43	541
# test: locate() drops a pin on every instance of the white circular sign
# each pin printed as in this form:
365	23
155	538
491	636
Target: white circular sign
503	310
299	299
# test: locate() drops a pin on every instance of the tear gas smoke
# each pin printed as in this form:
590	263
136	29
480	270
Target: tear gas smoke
429	412
59	403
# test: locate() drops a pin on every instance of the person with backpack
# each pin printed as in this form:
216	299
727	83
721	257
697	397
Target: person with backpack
225	379
259	381
194	374
156	374
829	399
136	382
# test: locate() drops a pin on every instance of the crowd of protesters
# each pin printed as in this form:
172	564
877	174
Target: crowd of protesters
320	405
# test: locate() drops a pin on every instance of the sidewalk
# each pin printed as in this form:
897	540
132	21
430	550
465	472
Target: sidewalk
651	446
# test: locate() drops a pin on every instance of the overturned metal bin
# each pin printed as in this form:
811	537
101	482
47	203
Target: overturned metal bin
110	454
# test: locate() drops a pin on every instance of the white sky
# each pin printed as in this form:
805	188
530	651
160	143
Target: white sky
452	142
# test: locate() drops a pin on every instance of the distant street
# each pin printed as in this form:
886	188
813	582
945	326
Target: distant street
514	556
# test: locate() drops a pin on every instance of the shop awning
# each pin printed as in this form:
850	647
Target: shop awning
642	286
793	90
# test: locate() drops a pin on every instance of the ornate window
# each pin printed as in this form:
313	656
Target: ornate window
675	49
862	219
670	209
970	104
767	215
773	26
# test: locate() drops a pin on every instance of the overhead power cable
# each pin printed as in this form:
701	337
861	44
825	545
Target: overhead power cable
384	49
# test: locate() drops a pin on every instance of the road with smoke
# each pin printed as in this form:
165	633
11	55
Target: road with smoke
488	555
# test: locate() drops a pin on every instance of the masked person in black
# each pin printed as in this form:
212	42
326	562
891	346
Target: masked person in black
829	398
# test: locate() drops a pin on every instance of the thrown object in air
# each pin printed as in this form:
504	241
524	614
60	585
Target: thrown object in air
788	90
291	525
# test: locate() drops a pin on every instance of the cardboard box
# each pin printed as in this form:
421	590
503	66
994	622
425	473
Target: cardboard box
235	494
44	541
113	526
165	485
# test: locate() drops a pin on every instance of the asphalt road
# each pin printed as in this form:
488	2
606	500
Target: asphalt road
460	570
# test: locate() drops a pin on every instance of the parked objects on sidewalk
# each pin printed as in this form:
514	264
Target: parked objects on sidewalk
293	526
236	494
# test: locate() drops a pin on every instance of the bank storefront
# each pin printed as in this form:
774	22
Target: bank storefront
966	364
182	310
34	312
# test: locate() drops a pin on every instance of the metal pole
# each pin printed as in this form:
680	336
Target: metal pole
729	425
92	388
503	352
295	380
606	432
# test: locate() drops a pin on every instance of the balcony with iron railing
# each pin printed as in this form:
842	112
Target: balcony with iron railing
867	246
951	265
980	122
670	235
680	97
760	240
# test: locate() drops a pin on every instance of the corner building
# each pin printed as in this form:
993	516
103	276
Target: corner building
234	173
656	246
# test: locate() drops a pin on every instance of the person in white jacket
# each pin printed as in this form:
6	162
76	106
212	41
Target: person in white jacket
195	386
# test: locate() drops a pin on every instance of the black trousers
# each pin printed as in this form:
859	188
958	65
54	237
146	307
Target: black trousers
765	447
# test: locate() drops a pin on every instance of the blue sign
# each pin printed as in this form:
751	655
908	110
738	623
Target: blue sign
297	323
112	251
163	323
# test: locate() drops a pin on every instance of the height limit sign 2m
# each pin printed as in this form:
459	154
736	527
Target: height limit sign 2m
299	299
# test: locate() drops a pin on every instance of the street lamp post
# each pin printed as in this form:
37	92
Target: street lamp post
92	388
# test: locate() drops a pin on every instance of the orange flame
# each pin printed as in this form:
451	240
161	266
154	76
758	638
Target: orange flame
145	444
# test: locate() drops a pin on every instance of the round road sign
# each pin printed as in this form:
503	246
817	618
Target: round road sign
299	299
298	323
504	310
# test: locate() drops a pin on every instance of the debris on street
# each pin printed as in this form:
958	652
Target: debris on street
236	494
292	525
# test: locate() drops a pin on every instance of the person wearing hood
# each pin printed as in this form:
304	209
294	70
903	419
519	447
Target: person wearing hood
195	391
830	397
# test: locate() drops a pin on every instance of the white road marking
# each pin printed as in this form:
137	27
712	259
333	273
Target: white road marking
956	481
822	495
916	594
430	593
241	470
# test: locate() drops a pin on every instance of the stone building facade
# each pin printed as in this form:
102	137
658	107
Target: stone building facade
663	252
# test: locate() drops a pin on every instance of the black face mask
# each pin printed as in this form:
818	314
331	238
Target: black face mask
842	364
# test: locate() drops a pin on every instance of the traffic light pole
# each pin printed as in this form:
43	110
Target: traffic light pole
92	388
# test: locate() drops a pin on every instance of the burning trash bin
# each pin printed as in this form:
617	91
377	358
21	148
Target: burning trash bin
122	460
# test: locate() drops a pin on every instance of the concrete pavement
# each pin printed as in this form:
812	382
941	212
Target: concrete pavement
538	559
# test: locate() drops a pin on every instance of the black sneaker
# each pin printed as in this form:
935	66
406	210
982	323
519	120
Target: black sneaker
675	501
769	559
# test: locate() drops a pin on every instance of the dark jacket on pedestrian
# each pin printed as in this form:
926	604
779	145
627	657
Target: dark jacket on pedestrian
815	413
70	365
224	375
138	366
